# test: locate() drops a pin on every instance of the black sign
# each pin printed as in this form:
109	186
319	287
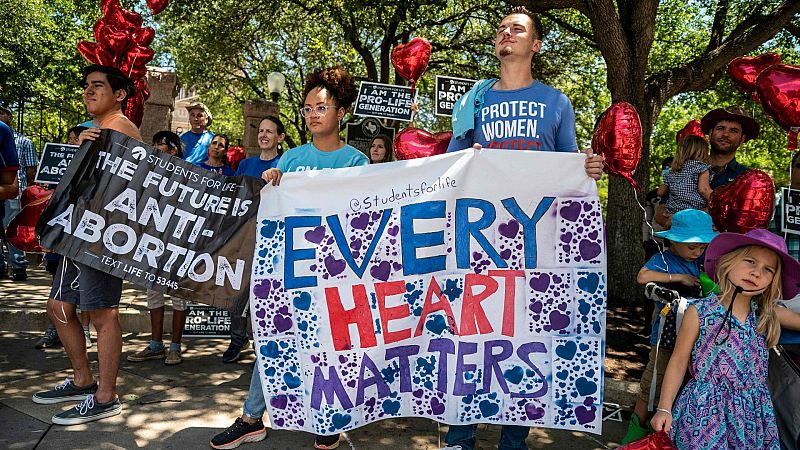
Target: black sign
386	101
54	162
790	211
155	220
360	135
206	321
448	91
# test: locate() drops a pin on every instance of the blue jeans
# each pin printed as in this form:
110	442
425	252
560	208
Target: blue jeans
16	257
512	437
254	404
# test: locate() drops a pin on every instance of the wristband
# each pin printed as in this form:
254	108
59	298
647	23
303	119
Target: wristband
665	411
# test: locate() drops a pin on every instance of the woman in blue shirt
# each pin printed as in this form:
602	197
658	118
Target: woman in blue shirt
271	134
217	151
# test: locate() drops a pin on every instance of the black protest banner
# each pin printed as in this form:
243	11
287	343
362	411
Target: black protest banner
206	321
155	220
448	91
54	162
384	101
790	211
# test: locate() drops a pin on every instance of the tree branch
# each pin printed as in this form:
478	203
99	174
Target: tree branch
703	71
793	29
585	35
540	6
718	27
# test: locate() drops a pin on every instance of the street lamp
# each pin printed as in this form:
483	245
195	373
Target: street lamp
275	83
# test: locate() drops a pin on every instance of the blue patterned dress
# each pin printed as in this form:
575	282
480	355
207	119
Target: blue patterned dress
726	404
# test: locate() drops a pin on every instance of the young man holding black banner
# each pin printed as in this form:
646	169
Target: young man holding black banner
514	112
105	91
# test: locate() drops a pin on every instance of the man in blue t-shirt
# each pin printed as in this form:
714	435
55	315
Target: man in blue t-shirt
515	112
196	140
9	165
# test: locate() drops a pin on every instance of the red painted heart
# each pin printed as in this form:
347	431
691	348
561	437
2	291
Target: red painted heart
157	5
21	232
411	59
412	143
745	204
618	138
744	70
693	128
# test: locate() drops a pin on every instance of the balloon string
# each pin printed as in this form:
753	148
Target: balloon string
651	229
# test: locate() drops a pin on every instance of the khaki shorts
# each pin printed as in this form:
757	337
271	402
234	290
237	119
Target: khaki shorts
157	300
663	358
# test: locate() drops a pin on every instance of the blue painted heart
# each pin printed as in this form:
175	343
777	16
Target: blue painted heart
585	386
567	350
390	406
270	350
589	283
340	420
513	375
488	409
292	381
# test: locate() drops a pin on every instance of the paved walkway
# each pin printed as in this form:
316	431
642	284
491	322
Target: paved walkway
183	406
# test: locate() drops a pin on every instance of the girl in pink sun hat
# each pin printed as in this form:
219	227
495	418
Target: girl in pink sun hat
726	337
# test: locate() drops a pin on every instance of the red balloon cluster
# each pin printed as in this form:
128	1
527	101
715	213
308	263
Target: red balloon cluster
411	59
122	42
412	143
618	138
235	155
21	232
693	128
745	204
776	86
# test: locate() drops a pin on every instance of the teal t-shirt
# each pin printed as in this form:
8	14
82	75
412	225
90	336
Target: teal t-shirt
309	157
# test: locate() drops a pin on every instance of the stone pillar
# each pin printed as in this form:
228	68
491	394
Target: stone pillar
254	111
163	86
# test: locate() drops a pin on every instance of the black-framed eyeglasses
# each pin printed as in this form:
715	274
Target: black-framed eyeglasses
320	110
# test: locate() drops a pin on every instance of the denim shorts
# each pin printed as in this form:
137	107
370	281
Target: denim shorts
84	286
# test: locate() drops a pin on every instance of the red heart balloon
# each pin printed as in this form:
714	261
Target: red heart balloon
656	441
779	90
144	37
618	138
137	56
89	51
410	60
744	70
122	19
412	143
745	204
117	42
693	128
157	5
21	232
235	155
134	109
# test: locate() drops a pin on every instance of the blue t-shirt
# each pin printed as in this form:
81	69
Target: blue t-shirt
9	160
255	166
195	146
222	170
309	157
536	117
674	265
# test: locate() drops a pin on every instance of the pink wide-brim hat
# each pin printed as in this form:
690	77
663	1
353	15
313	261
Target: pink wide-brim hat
727	242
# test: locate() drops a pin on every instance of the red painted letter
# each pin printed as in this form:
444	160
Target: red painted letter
472	312
510	297
340	319
383	290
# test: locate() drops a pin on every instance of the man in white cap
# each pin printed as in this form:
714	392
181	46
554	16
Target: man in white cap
196	140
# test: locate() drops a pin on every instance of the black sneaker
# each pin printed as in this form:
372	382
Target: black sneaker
48	339
19	275
64	392
232	354
239	433
88	411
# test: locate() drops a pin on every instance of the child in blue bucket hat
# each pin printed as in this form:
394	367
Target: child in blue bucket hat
678	268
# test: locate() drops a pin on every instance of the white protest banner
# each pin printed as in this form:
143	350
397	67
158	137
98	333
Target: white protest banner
467	287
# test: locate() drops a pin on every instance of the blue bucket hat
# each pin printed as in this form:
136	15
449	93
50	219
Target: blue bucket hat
690	226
